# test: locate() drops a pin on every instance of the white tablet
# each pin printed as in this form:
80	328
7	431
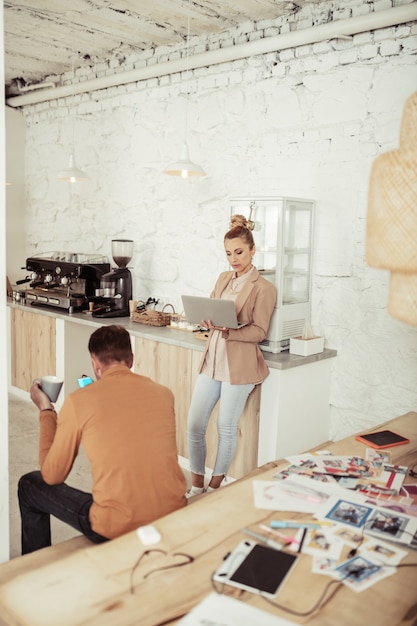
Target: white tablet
220	312
257	568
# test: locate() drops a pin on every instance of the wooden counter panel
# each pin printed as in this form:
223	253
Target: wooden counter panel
176	368
33	347
246	456
171	366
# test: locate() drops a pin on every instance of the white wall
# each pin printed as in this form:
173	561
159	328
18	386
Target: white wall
305	122
4	421
15	193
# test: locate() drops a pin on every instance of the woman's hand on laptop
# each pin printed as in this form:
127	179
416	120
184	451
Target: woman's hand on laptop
209	325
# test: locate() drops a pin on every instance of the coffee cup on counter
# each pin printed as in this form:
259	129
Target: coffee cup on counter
51	385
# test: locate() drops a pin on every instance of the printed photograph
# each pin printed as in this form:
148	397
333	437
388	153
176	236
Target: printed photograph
387	523
357	569
379	552
348	535
360	573
349	513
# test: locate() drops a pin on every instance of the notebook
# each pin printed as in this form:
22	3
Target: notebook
219	312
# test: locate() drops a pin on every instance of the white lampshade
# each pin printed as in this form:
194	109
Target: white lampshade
184	167
72	173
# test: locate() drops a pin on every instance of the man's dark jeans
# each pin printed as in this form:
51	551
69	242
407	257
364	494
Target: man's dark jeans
38	501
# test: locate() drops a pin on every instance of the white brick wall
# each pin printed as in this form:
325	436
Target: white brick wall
305	122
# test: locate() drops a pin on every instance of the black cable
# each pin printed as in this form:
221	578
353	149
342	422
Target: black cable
413	471
322	601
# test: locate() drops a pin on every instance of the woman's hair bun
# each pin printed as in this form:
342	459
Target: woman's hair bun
238	220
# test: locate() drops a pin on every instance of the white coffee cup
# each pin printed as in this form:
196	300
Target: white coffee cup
51	385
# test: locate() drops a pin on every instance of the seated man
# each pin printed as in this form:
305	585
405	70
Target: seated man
126	424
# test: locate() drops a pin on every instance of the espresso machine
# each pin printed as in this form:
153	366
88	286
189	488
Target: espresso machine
116	286
63	280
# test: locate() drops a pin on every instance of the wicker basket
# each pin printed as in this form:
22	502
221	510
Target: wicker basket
153	318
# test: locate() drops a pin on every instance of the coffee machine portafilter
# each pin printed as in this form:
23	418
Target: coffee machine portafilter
116	286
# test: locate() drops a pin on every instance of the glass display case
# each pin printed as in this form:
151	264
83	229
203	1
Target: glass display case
283	233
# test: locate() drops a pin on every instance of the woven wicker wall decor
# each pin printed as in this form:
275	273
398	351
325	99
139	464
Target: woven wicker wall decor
391	230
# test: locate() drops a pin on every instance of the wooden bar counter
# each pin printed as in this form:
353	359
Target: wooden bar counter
78	583
277	419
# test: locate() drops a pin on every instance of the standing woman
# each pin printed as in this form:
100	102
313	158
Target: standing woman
232	363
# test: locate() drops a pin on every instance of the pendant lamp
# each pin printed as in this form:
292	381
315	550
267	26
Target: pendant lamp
184	167
72	173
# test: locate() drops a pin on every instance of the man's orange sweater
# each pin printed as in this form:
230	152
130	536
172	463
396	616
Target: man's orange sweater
126	424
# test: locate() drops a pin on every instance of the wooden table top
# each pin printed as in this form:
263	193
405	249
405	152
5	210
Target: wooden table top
93	585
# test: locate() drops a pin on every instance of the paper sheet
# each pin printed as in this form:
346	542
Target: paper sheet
220	610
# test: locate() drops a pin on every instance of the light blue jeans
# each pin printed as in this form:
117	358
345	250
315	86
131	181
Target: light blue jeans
232	402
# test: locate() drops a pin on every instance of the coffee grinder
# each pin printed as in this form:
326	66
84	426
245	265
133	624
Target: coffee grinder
116	286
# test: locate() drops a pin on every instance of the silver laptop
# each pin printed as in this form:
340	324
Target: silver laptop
219	312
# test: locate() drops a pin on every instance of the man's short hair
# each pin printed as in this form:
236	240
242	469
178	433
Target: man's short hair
111	343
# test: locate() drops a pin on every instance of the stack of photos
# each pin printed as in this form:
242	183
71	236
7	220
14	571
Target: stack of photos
366	529
377	479
380	522
364	511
